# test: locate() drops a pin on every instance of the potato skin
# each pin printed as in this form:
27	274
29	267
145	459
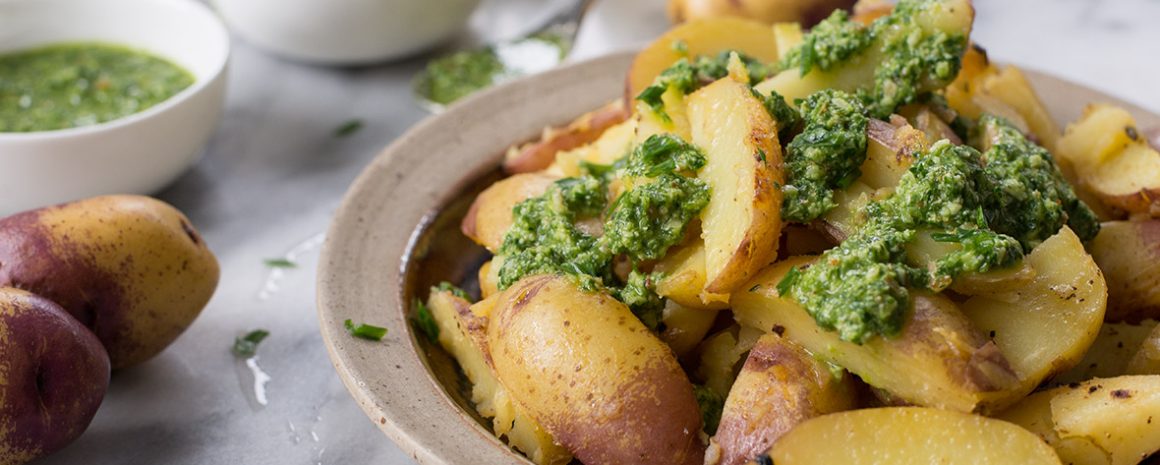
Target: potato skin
780	386
535	156
490	215
1128	253
806	12
53	377
131	268
587	370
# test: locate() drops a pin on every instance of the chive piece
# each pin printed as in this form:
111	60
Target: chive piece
425	322
348	128
365	331
246	346
786	283
453	289
280	263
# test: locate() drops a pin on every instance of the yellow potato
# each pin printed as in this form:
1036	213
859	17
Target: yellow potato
780	386
705	37
950	16
890	150
1044	328
845	219
938	360
592	375
489	277
909	436
1113	353
685	327
1011	87
766	11
1108	421
613	145
787	36
1113	161
537	155
743	170
722	354
464	335
490	216
683	278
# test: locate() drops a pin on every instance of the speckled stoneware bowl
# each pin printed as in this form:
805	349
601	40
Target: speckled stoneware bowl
397	233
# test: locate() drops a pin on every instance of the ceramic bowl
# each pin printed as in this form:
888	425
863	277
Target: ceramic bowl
345	32
140	153
397	233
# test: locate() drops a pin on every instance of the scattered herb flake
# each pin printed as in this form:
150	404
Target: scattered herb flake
280	263
425	322
246	346
348	128
365	331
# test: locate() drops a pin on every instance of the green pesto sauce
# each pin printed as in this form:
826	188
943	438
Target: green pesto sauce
462	73
914	59
641	224
996	205
686	76
825	156
712	405
72	85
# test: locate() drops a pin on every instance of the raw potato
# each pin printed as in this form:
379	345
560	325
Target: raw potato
1112	353
593	375
1113	161
780	386
743	170
490	216
131	268
938	360
1112	421
806	12
685	327
535	156
909	436
464	335
1044	328
683	279
707	37
952	17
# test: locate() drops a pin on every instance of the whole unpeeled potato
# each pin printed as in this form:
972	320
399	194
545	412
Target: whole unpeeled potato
130	268
53	376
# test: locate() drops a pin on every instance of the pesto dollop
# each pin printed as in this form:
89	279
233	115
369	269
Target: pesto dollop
463	73
641	224
688	75
833	40
80	84
825	156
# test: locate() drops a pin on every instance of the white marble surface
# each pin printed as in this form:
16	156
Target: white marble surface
274	173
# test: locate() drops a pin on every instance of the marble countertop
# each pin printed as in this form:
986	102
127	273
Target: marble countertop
274	173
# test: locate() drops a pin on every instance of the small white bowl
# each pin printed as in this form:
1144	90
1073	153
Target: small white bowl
345	32
139	153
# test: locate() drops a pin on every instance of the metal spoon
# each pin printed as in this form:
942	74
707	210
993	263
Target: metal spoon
457	75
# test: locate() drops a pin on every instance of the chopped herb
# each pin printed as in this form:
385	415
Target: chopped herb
825	156
425	322
365	331
280	263
712	405
246	346
680	47
348	128
454	290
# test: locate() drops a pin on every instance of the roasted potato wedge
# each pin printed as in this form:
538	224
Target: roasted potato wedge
592	375
537	155
1113	160
1112	421
703	37
743	170
464	335
1010	86
909	435
1111	354
490	216
780	386
939	359
683	279
1045	327
807	12
614	144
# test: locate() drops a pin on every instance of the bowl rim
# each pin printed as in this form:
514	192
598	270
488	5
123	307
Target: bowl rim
391	415
215	28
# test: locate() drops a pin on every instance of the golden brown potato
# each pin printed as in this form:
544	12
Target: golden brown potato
1111	353
683	278
705	37
585	368
1011	87
909	435
780	386
463	334
1045	327
939	359
806	12
685	327
1108	421
535	156
1112	160
743	170
951	17
490	216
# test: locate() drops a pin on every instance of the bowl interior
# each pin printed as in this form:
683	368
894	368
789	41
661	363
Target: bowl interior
397	234
183	31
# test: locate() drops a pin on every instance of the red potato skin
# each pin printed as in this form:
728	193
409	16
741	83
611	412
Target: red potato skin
53	377
538	155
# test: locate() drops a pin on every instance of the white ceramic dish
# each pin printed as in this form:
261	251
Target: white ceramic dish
140	153
345	32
